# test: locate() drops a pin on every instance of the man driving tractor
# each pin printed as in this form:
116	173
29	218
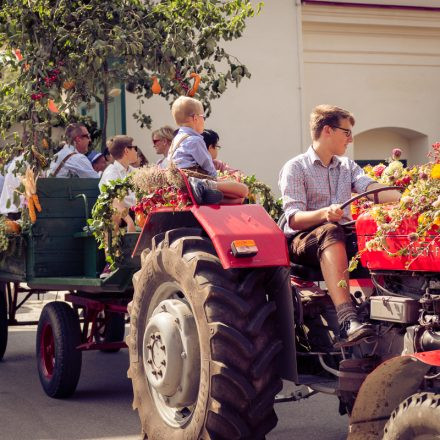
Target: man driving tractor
313	186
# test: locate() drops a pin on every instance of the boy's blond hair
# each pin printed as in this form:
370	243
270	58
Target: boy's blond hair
325	114
184	107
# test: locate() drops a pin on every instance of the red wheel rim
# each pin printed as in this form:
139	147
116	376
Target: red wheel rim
47	350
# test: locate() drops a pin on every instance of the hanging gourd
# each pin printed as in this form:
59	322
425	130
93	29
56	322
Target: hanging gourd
68	85
156	88
52	106
195	86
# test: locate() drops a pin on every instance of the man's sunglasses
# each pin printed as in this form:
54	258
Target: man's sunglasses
133	146
84	136
156	141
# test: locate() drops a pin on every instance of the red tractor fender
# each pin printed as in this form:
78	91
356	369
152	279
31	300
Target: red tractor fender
384	389
226	223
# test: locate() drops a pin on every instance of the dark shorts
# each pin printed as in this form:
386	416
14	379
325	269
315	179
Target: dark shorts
307	246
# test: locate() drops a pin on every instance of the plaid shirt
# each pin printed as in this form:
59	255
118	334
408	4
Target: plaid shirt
307	185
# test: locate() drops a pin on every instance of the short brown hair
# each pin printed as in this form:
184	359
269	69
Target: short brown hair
184	107
165	132
117	144
72	131
325	114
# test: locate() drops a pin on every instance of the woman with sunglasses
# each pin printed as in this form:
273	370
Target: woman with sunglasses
162	139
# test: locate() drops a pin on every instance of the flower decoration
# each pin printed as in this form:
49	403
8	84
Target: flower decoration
417	212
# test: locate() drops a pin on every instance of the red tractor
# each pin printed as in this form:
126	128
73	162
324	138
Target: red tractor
219	317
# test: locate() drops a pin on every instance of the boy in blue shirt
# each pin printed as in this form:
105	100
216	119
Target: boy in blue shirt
188	150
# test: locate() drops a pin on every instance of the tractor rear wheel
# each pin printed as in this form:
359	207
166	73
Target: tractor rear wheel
3	320
416	418
58	359
202	344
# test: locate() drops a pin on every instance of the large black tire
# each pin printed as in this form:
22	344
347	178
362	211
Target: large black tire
417	417
58	360
202	344
110	328
3	321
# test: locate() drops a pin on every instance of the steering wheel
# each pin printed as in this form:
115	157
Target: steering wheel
282	220
375	192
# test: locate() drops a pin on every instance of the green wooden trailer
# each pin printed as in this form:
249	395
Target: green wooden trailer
59	253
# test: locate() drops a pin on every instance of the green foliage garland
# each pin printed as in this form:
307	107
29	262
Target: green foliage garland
261	193
101	222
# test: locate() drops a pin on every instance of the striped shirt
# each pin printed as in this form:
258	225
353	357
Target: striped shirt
306	184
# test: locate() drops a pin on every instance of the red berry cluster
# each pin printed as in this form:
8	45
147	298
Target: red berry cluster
163	197
52	77
182	82
38	96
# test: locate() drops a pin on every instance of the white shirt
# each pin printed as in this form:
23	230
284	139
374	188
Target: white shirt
12	182
162	163
76	166
2	182
117	171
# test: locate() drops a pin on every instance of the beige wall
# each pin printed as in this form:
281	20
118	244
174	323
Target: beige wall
382	64
260	121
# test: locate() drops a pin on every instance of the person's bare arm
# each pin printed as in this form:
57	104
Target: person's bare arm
384	196
308	219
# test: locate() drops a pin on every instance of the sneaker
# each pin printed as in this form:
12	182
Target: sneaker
353	332
203	194
106	272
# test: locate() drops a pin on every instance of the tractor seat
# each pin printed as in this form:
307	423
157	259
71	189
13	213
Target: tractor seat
306	273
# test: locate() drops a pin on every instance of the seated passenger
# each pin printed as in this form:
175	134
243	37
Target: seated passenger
211	139
313	186
11	201
188	150
162	139
71	161
108	157
98	161
142	160
125	154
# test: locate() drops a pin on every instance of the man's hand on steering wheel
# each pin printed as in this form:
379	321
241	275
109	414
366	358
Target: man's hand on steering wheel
333	213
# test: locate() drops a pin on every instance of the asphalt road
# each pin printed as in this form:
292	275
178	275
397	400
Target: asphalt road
101	407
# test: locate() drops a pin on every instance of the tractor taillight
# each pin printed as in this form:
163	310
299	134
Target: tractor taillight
244	248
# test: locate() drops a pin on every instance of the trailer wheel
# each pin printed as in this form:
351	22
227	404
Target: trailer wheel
417	417
58	360
3	320
110	328
202	344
